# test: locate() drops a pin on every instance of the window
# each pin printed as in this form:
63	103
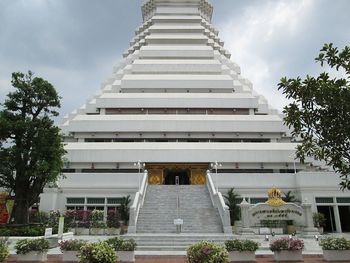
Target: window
75	200
324	200
114	201
256	200
343	200
96	200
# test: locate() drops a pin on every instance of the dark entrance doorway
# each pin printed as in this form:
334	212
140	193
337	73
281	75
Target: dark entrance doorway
177	176
328	212
344	215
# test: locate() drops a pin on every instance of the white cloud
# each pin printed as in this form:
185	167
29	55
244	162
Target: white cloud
251	36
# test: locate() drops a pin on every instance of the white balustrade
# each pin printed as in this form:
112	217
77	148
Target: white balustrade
137	204
218	202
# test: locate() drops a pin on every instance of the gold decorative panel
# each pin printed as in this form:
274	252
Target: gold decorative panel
155	176
157	172
198	177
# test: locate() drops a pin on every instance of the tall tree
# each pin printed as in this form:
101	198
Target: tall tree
30	144
232	201
319	114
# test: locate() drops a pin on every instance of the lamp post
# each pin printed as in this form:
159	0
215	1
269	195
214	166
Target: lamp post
215	165
140	166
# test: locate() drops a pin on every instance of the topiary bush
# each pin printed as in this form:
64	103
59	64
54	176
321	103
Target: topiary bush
97	253
26	245
207	252
241	245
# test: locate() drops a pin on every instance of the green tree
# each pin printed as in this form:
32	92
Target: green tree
30	144
232	201
319	112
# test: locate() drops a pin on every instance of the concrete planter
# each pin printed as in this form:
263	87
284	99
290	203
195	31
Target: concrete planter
97	231
82	231
32	256
71	230
244	256
112	231
70	256
336	255
126	256
288	255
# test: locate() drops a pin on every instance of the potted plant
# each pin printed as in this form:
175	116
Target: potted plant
97	224
125	248
287	249
4	250
319	221
241	250
335	249
113	223
232	201
32	249
70	248
207	252
69	220
83	220
97	253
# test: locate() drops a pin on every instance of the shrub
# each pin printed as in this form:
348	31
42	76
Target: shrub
207	252
83	218
71	245
26	245
286	243
97	253
241	245
335	243
97	219
120	244
22	231
113	219
38	217
4	251
69	218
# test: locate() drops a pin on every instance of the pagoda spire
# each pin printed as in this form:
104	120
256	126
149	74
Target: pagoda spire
176	7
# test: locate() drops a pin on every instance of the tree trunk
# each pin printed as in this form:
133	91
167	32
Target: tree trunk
21	211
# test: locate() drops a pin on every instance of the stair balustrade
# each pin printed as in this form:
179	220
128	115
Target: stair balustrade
137	204
218	202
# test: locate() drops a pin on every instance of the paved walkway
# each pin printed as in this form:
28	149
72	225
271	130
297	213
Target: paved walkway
180	259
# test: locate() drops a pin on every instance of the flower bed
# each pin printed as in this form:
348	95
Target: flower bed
335	249
287	249
241	250
97	253
207	252
32	249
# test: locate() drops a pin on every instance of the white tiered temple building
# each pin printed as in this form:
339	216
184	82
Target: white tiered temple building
178	111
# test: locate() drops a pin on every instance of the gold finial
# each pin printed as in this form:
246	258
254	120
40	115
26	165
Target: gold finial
275	197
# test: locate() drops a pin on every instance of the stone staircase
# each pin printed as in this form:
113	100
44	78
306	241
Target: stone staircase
196	209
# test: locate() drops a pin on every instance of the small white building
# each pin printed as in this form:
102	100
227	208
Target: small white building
177	104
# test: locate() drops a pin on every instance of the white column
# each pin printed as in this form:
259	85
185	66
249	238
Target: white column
337	219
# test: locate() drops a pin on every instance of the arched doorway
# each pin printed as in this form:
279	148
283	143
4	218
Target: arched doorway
177	176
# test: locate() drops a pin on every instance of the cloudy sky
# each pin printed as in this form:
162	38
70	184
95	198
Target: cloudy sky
75	43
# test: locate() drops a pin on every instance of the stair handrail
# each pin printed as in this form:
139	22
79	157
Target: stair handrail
138	203
218	202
